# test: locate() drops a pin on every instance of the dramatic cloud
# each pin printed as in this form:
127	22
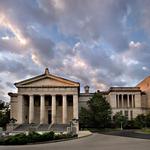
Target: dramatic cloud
100	43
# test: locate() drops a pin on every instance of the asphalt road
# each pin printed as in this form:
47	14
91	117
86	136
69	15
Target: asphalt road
93	142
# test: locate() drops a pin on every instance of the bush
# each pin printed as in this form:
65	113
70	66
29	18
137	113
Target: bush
48	136
20	139
130	125
64	136
34	137
140	121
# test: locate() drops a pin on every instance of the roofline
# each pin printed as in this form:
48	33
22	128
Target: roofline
120	89
42	75
142	81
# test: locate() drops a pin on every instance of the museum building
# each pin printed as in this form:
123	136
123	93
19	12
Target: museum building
48	100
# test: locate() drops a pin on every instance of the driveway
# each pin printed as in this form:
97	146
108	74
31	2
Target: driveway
130	133
93	142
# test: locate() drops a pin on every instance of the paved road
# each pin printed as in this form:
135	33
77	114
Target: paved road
93	142
129	133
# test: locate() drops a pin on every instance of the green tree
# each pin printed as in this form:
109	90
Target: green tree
98	114
120	120
140	121
84	118
4	114
148	120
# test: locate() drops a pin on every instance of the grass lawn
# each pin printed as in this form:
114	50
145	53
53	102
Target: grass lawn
146	130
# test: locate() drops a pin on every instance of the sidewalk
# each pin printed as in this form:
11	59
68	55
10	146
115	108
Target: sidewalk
84	133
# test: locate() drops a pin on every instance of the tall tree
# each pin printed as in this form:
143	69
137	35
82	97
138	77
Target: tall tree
98	114
4	114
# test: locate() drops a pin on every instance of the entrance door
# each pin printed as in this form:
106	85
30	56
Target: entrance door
49	116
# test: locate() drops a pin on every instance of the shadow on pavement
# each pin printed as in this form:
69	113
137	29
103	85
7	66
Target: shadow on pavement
128	133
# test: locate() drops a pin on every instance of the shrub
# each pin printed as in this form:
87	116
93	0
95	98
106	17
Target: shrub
34	137
22	138
130	124
18	139
48	136
140	121
64	136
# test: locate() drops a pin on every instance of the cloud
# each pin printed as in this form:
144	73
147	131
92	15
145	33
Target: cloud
100	43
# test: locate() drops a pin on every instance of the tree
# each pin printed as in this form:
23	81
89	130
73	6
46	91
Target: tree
98	114
148	120
140	121
4	114
84	118
120	120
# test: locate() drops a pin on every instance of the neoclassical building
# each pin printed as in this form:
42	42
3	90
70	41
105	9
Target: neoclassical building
49	99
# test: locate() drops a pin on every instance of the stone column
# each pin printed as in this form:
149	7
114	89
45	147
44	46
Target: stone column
117	101
20	119
75	106
64	110
31	109
75	110
42	109
53	109
128	103
133	101
122	101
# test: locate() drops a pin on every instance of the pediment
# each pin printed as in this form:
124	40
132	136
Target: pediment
47	80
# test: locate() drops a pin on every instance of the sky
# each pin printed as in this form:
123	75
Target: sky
100	43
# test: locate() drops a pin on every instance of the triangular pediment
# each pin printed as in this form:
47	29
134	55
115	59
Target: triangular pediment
47	80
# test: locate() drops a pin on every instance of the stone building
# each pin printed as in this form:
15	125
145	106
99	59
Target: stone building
49	99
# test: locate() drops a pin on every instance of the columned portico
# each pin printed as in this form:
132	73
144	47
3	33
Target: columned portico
46	99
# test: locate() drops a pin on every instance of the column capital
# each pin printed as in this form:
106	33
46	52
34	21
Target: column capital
42	95
30	94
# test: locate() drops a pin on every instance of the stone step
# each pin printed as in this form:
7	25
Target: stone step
43	127
59	127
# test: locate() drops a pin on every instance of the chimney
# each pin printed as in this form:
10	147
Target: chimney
86	89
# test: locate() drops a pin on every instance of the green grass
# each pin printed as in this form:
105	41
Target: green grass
146	130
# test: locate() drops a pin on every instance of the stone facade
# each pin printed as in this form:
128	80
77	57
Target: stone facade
49	99
45	99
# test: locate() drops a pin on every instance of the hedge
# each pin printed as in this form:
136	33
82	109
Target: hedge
21	139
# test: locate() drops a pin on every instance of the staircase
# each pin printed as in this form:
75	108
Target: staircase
59	127
43	127
26	127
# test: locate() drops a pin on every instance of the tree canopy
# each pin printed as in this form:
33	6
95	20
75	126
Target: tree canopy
98	114
4	114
